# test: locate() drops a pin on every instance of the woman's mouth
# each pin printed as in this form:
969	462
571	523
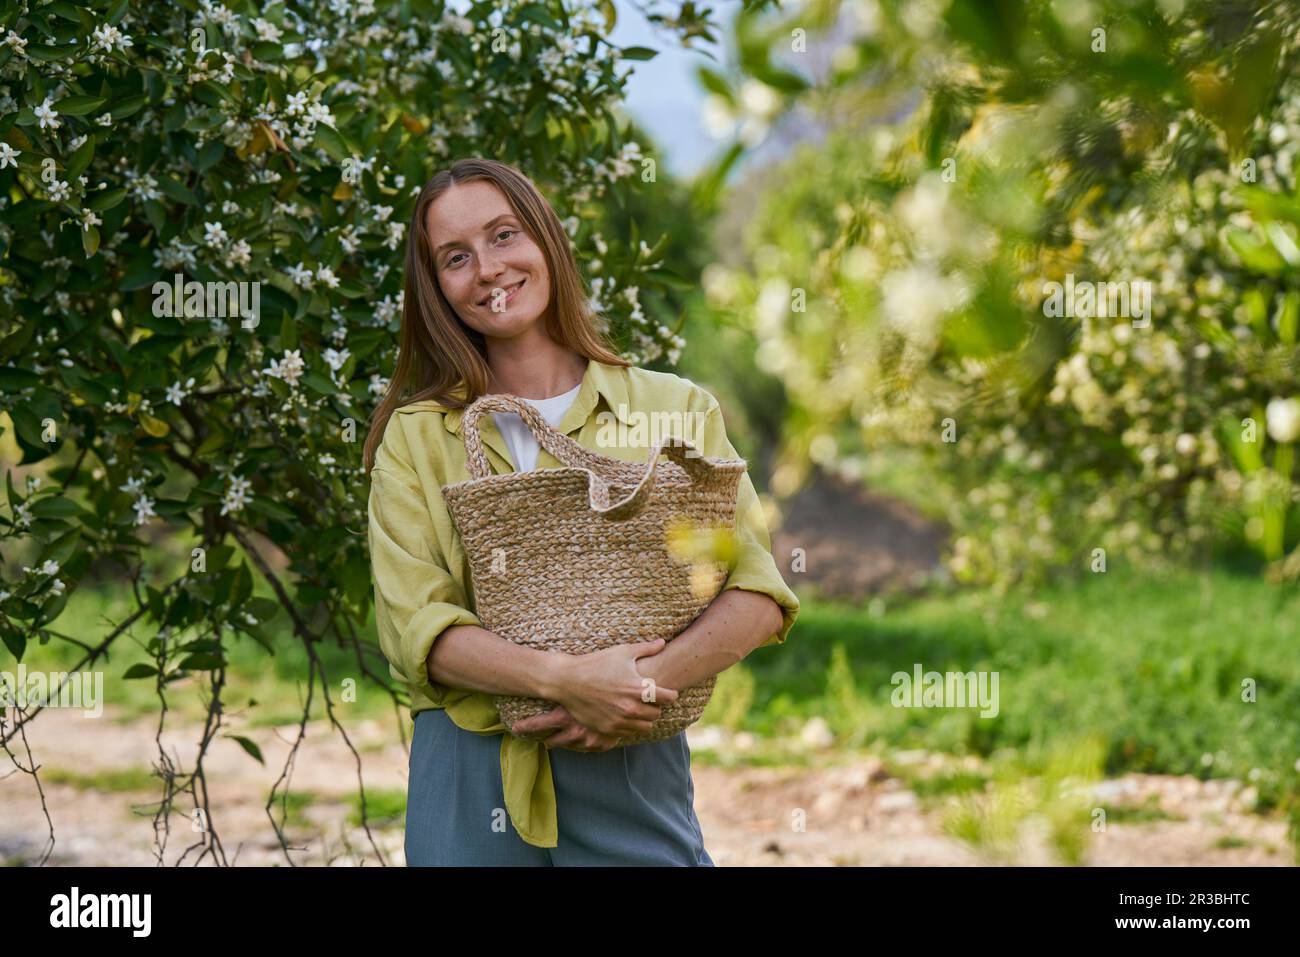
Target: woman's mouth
511	291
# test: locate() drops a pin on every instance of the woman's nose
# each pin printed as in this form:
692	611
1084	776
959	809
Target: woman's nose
489	267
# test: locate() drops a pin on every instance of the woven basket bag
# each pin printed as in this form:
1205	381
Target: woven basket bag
574	559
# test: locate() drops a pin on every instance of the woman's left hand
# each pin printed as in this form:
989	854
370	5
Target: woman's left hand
569	734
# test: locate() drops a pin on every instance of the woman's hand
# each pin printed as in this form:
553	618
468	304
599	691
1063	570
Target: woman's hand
603	691
568	734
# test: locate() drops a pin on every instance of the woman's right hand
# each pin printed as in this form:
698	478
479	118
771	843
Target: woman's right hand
603	690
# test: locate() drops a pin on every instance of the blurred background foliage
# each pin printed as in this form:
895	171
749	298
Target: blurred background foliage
872	304
894	274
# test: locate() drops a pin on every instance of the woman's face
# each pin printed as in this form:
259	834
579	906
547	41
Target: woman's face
488	267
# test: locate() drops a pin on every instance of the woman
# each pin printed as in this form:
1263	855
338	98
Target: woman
494	304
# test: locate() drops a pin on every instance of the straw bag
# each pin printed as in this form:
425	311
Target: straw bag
574	559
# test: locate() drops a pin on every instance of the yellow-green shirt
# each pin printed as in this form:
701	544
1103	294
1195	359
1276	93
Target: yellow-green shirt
421	569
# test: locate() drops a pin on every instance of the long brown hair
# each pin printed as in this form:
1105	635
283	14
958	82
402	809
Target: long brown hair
440	357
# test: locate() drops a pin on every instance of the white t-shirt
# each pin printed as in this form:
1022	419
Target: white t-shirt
519	438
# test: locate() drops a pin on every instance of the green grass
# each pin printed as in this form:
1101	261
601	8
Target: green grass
1144	813
115	780
1151	666
261	688
1230	841
292	805
385	807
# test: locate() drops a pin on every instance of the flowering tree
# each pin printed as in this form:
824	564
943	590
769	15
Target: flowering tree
910	278
201	208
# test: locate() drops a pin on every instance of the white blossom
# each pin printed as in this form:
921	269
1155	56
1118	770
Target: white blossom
1283	417
46	114
107	36
288	369
18	43
301	276
143	509
238	494
266	30
214	234
176	392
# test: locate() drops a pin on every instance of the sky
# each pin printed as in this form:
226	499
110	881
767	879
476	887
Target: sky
663	94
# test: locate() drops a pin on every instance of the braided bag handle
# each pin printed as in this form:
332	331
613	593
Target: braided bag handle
574	455
557	443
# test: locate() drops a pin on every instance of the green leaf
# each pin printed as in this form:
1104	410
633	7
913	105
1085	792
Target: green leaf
263	609
669	278
106	200
79	160
716	83
211	153
318	383
45	54
201	662
57	506
64	9
248	745
351	289
15	640
156	213
1288	318
1255	255
638	53
128	106
176	191
139	671
328	139
12	379
79	105
90	240
288	333
535	121
61	549
266	507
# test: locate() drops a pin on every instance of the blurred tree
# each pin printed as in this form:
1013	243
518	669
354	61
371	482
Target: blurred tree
1054	247
274	150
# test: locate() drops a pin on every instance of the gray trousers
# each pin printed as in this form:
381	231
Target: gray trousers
632	805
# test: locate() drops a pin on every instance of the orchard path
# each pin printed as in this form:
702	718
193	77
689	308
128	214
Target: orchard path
854	812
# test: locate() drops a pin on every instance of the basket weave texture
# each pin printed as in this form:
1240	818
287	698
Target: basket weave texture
575	559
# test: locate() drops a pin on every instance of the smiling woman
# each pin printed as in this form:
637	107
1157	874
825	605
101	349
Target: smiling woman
494	304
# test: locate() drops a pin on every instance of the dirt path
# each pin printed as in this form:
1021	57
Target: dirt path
857	542
854	812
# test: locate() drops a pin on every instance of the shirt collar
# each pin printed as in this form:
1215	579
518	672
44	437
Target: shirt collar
599	381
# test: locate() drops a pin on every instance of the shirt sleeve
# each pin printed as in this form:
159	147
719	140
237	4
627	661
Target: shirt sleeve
416	597
755	569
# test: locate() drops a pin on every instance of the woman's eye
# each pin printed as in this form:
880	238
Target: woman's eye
504	231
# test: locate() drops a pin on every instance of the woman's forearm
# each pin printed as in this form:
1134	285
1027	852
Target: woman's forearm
735	623
467	656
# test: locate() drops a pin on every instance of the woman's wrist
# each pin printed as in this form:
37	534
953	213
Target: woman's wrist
549	675
653	666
